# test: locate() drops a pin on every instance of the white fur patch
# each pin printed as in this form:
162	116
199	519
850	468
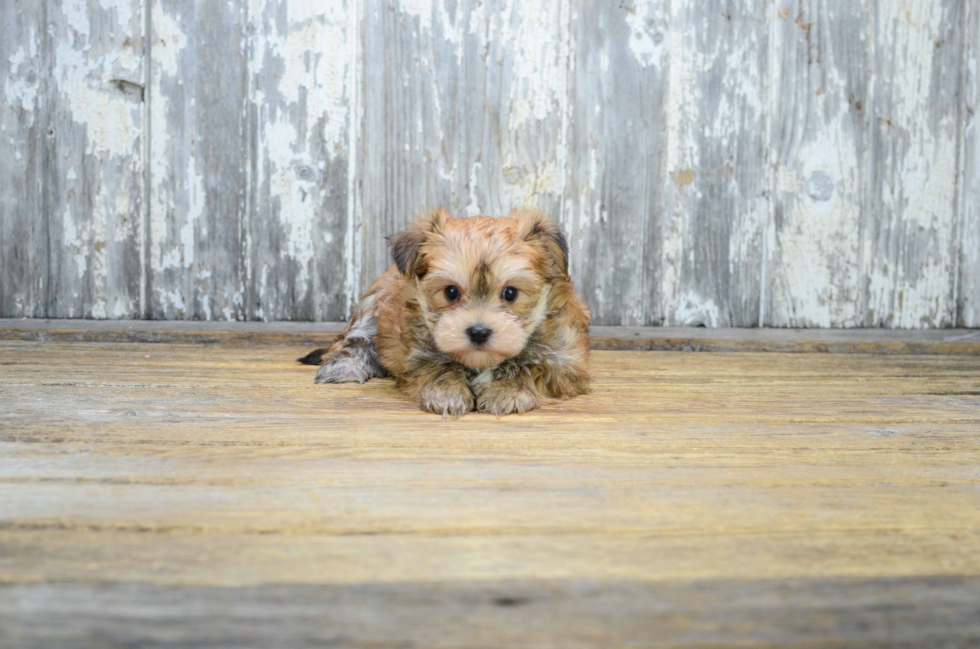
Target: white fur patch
485	377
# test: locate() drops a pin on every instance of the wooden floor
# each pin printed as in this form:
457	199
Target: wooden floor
212	495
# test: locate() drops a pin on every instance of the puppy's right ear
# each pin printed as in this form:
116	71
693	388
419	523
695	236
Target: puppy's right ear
405	245
405	249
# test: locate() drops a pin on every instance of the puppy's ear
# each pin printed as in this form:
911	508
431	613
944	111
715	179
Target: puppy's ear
533	225
405	249
405	245
436	219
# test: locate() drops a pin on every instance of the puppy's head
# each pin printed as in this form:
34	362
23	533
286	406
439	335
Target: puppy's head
482	283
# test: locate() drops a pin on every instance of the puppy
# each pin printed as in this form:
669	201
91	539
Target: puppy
476	313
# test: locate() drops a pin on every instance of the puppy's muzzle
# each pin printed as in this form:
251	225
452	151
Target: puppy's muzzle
479	334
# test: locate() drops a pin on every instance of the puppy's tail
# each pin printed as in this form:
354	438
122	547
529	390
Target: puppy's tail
315	357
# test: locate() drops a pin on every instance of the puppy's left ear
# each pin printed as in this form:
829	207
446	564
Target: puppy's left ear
534	226
405	245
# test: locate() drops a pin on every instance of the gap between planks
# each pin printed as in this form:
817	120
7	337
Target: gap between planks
841	341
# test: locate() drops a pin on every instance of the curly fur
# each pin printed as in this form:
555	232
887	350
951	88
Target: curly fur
406	326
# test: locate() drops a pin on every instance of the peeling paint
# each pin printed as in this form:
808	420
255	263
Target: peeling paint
646	39
717	163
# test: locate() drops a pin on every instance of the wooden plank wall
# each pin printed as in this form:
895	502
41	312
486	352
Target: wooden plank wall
717	163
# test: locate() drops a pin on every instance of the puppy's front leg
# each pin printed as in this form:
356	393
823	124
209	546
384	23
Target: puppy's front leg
505	395
525	382
442	389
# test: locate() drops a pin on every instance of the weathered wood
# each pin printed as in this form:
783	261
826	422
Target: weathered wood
93	180
717	125
196	248
513	105
909	263
410	128
298	125
820	138
909	612
617	160
73	177
695	339
23	137
968	303
464	107
729	163
807	499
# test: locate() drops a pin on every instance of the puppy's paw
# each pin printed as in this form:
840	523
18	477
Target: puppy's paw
453	400
505	398
347	367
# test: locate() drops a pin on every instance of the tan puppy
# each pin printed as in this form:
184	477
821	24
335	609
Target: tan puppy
476	314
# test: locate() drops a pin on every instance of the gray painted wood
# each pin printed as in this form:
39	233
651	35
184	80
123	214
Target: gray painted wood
92	186
463	107
715	208
617	159
968	304
407	161
196	251
729	163
918	611
74	121
909	217
298	123
820	135
23	228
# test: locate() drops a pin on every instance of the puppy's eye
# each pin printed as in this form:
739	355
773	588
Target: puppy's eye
509	294
452	293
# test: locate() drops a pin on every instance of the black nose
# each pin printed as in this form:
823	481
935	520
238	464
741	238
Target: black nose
479	334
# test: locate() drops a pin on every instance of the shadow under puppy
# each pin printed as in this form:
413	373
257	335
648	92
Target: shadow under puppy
477	313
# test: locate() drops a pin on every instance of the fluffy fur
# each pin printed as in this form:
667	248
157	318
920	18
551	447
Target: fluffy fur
408	324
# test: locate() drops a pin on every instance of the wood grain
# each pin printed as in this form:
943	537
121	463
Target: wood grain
726	163
196	248
23	132
617	164
410	133
464	107
73	168
691	339
298	125
712	250
820	134
842	612
837	491
93	178
909	264
968	304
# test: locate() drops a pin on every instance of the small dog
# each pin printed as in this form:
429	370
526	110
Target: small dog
476	313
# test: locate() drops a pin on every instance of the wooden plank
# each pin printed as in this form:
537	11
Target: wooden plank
910	250
410	77
617	165
198	157
514	103
834	341
715	208
23	133
694	500
820	139
93	166
299	110
901	612
463	107
968	303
